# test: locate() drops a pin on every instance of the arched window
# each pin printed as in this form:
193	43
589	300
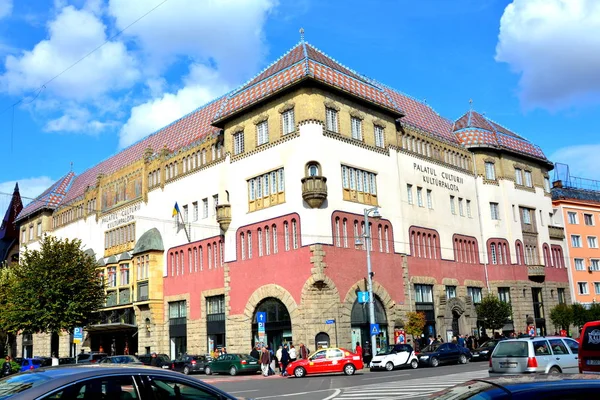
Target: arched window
249	237
380	237
286	235
260	242
294	234
201	258
267	241
243	245
209	255
172	265
345	232
313	169
190	261
337	232
195	259
182	261
275	242
387	240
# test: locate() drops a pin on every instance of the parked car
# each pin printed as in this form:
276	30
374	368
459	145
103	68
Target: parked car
589	348
233	364
86	358
484	351
443	353
548	355
399	355
524	387
66	360
189	364
107	381
121	360
332	360
35	362
162	360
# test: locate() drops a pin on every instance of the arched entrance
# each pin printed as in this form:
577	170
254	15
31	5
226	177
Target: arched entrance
322	340
278	326
361	326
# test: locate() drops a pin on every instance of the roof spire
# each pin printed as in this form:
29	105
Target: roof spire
302	34
71	166
471	104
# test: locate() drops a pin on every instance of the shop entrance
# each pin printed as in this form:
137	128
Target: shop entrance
361	326
278	326
116	334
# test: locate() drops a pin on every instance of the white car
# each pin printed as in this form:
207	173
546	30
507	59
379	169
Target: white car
399	355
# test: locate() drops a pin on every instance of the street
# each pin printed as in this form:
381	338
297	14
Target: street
399	384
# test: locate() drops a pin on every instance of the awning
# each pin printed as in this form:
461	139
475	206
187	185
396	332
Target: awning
110	327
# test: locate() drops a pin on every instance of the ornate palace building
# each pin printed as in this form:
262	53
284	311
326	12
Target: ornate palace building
271	182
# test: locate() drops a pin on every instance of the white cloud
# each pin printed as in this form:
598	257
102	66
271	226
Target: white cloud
78	120
583	160
5	8
201	86
555	46
72	34
29	188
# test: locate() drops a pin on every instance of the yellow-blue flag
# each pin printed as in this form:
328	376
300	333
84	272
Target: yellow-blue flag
175	209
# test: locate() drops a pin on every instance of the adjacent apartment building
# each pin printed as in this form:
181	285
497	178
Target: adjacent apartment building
271	183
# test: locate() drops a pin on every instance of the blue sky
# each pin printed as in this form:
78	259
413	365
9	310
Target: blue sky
531	65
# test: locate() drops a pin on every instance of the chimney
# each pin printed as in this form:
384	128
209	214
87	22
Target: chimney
557	184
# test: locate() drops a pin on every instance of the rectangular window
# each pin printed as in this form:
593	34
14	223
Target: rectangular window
518	176
528	179
356	125
579	264
572	217
592	242
24	236
576	241
195	211
287	122
238	143
490	171
215	305
452	205
31	232
547	184
379	142
268	188
562	299
420	196
588	219
361	186
595	265
39	229
475	293
331	117
469	208
504	294
185	214
583	288
429	200
461	210
597	287
205	208
450	292
424	293
526	215
409	194
262	133
112	277
177	310
215	204
495	211
124	274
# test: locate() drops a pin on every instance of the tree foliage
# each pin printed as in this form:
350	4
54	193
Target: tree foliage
54	288
494	312
415	324
562	316
580	315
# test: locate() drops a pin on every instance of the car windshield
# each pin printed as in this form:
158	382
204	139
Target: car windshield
19	383
431	348
489	343
122	359
467	390
511	349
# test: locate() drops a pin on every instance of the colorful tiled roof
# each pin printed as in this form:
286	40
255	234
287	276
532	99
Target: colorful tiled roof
575	194
50	199
475	129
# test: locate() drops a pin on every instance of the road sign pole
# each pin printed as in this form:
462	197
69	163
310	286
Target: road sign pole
336	336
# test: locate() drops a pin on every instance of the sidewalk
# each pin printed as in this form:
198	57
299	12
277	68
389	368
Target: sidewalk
228	378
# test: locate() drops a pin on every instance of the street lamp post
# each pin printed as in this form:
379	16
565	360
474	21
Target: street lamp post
375	212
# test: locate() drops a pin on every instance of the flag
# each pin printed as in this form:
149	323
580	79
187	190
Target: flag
175	209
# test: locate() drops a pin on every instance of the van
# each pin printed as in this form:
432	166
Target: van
589	348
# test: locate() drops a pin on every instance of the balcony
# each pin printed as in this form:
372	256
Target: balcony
142	291
314	190
556	232
224	216
536	272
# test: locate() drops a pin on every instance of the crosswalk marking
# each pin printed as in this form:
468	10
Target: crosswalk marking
408	389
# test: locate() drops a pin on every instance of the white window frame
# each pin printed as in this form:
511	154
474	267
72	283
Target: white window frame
597	287
526	213
409	194
262	133
452	205
592	242
419	196
429	199
287	121
379	136
572	217
528	179
495	211
205	207
490	171
461	210
331	117
469	209
547	184
579	264
576	241
591	219
584	286
356	128
195	211
238	144
594	264
518	176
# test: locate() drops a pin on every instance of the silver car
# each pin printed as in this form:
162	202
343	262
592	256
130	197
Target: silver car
540	354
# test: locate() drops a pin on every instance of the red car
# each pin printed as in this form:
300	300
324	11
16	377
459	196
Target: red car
325	361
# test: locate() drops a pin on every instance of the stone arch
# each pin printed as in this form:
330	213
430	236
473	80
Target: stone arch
455	305
271	290
320	301
378	290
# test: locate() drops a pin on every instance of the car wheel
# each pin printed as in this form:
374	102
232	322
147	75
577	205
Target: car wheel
233	371
434	362
207	371
349	369
414	364
299	372
462	359
389	366
186	370
554	370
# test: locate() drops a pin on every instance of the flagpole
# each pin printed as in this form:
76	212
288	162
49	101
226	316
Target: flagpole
187	234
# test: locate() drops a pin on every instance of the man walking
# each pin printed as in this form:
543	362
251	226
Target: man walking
264	361
285	360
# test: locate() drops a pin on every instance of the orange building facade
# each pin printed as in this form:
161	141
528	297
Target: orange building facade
578	208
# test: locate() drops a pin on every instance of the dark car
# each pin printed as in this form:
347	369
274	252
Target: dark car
90	358
121	360
443	353
189	364
106	381
66	360
233	364
484	351
525	387
162	360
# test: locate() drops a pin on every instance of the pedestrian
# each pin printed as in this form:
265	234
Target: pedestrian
54	360
6	367
431	340
255	353
461	341
367	354
303	351
153	360
440	339
358	350
293	354
264	361
278	355
272	363
284	360
470	342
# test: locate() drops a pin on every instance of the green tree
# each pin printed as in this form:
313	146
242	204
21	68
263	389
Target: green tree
562	316
580	315
415	324
493	312
593	313
54	288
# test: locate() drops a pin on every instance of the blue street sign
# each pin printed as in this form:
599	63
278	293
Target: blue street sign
363	297
374	329
261	326
77	335
330	321
261	317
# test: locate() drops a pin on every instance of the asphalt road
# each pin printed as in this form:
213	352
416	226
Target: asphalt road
403	383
